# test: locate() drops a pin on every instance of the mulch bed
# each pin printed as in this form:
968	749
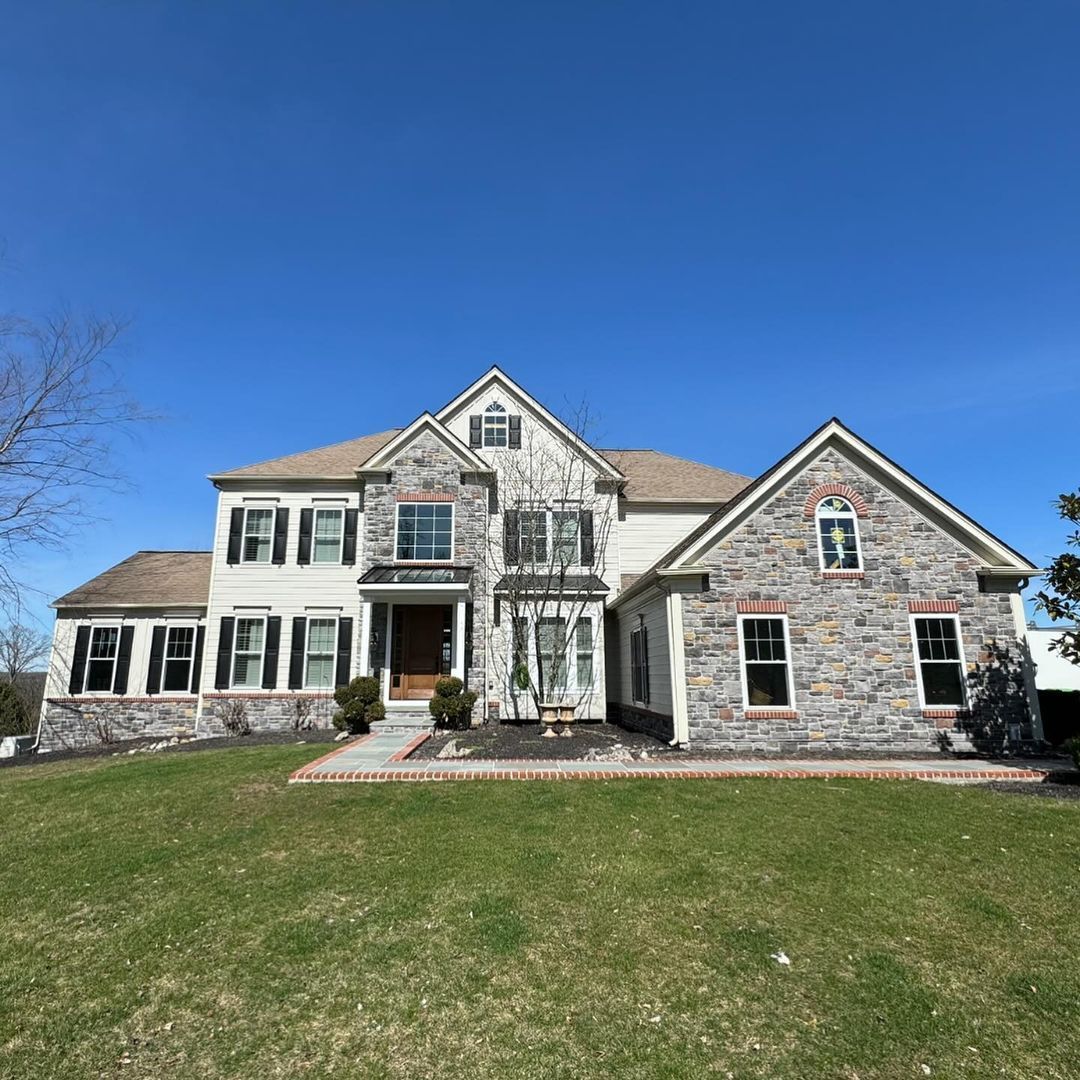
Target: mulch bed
122	749
1057	785
523	742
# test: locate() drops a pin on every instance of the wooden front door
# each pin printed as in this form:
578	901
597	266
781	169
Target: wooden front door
420	650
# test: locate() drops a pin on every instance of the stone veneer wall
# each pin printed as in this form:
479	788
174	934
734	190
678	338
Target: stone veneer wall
427	467
76	723
853	665
270	711
658	725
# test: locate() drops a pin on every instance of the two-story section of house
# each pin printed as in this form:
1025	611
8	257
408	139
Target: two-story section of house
833	603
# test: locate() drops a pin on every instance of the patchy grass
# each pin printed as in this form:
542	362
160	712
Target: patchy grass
193	916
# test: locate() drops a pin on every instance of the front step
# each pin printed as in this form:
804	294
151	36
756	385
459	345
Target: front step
404	723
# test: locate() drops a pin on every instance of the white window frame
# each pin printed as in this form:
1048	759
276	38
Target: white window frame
262	662
570	653
845	514
788	661
495	411
244	560
94	627
333	652
643	630
549	535
591	653
340	511
453	528
169	628
962	661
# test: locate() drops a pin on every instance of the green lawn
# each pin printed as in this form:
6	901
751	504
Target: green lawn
191	915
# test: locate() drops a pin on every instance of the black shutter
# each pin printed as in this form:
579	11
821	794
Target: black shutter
496	611
123	660
514	441
468	640
236	535
196	663
281	534
224	653
296	653
157	658
645	663
303	548
78	661
270	657
586	538
344	652
512	537
348	547
475	430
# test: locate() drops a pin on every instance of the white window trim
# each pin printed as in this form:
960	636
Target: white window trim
495	408
818	515
262	660
532	654
333	651
643	629
118	627
591	654
788	663
549	534
912	619
169	627
453	529
268	561
340	511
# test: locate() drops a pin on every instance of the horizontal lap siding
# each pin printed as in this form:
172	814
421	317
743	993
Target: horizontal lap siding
622	623
646	531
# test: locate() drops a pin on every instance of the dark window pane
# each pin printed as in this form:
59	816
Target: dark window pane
177	675
767	684
99	675
943	684
838	544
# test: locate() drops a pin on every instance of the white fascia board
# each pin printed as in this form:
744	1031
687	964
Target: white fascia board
380	460
932	508
496	375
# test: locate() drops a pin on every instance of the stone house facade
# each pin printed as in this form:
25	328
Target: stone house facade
834	604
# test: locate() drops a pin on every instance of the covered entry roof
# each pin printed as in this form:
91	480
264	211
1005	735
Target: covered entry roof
417	575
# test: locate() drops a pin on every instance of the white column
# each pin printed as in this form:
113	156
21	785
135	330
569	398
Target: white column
365	637
459	638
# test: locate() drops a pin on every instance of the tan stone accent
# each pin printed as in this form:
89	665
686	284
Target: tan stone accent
796	543
838	667
900	703
906	560
827	639
815	735
883	658
725	545
700	680
891	597
689	637
827	624
820	687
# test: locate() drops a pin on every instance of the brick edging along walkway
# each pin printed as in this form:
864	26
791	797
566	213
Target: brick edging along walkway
394	768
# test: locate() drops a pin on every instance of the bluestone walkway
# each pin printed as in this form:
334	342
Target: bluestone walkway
383	756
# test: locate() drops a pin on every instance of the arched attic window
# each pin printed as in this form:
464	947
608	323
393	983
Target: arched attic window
838	535
495	425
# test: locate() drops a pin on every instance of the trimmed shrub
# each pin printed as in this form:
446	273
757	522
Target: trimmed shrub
360	705
452	705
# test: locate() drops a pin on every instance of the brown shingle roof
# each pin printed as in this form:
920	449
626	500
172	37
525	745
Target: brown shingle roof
655	477
150	578
339	460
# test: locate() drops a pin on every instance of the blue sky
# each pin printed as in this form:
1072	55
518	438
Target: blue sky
719	224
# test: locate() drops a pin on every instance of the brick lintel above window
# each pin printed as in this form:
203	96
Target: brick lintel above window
424	496
933	607
761	607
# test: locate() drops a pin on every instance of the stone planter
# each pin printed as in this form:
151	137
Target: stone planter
552	713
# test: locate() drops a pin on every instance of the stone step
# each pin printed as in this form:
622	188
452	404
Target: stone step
404	723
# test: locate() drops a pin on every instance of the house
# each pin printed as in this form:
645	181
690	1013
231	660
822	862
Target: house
834	603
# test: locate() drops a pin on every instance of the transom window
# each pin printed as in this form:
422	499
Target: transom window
248	653
495	425
837	535
564	529
101	659
766	665
327	536
258	535
179	656
425	532
321	653
941	662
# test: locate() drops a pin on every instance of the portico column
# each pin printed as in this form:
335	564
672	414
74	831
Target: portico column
459	638
365	637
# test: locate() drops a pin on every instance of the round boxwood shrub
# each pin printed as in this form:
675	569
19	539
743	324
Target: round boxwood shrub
360	705
452	705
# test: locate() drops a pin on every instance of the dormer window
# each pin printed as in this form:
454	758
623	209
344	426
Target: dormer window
495	425
838	538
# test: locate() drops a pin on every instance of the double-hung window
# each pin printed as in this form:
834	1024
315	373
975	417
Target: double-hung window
838	539
564	538
551	650
534	533
495	425
258	538
179	656
101	659
321	653
327	536
639	664
425	532
583	641
940	657
766	662
248	653
561	527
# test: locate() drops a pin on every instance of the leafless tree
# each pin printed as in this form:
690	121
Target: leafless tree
61	408
22	649
556	522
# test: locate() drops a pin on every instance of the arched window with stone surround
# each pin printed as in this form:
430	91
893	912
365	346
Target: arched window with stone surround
838	534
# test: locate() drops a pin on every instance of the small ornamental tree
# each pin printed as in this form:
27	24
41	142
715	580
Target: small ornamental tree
1062	598
360	705
14	719
452	705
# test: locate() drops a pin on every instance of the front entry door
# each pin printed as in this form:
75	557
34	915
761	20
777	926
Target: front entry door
420	652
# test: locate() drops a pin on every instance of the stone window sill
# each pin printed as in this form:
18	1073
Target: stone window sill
944	714
844	575
772	714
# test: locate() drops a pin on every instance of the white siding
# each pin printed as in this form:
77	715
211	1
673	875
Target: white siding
623	622
647	530
1052	671
286	590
